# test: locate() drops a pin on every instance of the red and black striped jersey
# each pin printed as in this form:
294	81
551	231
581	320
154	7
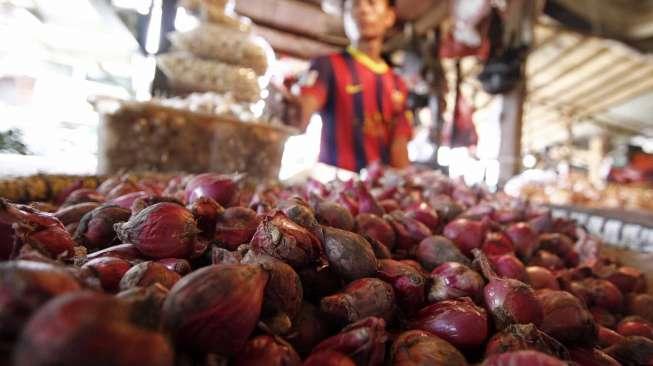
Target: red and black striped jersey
362	105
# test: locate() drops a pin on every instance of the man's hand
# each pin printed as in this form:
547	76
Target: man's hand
399	153
298	109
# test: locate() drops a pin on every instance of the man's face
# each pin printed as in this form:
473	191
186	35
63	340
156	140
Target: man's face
367	19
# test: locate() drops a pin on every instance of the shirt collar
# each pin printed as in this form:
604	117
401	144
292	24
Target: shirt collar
378	67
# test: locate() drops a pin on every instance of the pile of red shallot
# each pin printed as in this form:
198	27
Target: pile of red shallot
399	268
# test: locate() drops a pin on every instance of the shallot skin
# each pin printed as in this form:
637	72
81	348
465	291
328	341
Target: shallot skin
89	328
328	358
517	337
635	326
523	237
221	188
163	230
333	215
436	250
363	341
235	226
592	357
417	347
361	298
467	234
453	280
148	273
215	309
458	321
377	228
407	282
279	237
408	231
349	254
510	301
632	351
640	304
269	351
607	337
540	277
527	357
107	270
566	318
24	287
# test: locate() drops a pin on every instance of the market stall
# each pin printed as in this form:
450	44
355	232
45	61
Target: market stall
519	231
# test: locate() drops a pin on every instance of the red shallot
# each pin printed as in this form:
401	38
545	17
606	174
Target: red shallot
592	357
235	226
216	308
96	228
377	228
635	326
540	277
363	341
566	318
466	234
523	237
279	237
510	301
407	282
436	250
457	321
148	273
517	337
350	256
107	271
453	280
163	230
361	298
527	357
222	188
89	328
418	348
269	351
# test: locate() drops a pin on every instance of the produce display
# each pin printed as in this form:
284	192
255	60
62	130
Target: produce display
577	190
398	268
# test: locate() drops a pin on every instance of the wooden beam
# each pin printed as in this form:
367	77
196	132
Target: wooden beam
560	55
293	45
294	16
610	124
629	87
596	80
543	126
432	18
568	70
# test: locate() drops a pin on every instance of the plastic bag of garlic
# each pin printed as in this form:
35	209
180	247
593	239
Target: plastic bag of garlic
212	41
202	75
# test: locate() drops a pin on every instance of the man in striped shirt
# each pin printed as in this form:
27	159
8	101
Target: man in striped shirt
361	100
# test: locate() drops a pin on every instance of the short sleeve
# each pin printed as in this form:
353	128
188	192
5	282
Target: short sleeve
315	81
403	116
